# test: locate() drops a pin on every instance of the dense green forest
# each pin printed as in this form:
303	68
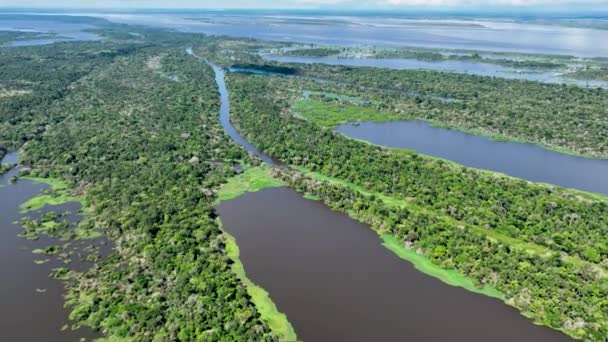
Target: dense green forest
494	228
565	118
133	127
130	123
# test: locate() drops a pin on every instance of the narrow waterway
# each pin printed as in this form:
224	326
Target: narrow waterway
335	281
526	161
32	303
225	111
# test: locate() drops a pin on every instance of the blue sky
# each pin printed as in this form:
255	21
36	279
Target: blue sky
584	5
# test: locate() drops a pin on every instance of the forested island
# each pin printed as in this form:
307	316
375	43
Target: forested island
129	126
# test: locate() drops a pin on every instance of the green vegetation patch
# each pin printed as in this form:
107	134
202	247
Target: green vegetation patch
252	180
276	320
59	194
426	266
330	114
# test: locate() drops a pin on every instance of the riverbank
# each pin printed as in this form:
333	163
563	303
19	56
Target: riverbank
251	180
58	193
422	263
254	179
35	244
332	115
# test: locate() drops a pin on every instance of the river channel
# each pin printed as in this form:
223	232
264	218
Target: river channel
527	161
335	281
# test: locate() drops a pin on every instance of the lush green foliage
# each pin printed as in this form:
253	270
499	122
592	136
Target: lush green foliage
251	180
557	116
134	129
559	281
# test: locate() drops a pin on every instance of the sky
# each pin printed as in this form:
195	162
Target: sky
581	5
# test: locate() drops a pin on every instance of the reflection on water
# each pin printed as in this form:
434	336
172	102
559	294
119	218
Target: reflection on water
335	281
525	161
465	67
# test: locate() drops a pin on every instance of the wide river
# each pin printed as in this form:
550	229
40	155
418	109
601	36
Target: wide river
525	161
32	303
335	281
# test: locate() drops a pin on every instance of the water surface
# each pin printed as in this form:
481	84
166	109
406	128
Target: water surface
464	67
525	161
335	281
225	112
474	33
63	31
32	303
10	158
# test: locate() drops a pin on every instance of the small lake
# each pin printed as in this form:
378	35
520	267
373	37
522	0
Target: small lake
335	281
525	161
32	303
464	67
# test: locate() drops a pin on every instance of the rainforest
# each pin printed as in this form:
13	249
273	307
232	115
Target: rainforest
160	184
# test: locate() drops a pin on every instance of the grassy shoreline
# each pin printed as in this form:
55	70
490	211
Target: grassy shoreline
420	262
424	265
252	180
365	114
269	313
60	194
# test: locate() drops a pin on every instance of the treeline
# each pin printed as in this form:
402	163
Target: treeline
148	153
561	117
564	288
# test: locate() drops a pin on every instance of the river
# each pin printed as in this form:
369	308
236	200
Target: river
526	161
335	281
32	303
225	111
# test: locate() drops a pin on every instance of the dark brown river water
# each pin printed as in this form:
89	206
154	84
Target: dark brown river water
31	303
335	281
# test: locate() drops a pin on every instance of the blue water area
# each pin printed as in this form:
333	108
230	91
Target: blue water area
465	67
62	31
473	33
525	161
